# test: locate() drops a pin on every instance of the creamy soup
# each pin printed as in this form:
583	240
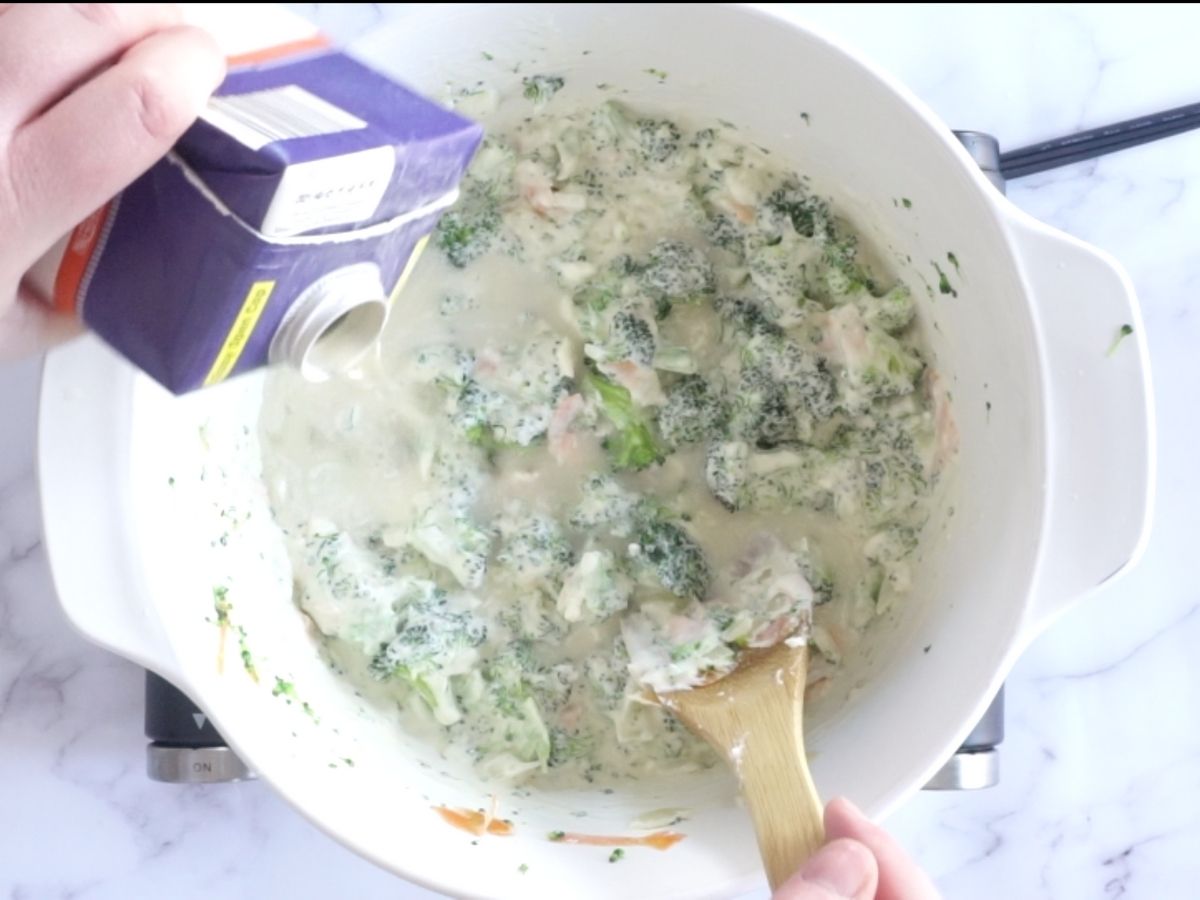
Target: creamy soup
644	403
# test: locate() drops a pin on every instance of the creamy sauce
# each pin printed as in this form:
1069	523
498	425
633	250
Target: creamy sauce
641	405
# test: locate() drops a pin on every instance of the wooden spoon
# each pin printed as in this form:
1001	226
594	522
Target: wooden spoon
754	717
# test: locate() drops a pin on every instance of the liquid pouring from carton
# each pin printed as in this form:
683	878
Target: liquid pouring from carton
279	228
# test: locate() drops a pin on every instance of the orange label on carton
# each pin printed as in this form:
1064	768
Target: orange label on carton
80	249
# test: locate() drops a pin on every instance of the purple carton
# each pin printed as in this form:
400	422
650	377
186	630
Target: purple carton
278	229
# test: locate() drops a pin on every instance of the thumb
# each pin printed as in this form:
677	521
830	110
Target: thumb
841	870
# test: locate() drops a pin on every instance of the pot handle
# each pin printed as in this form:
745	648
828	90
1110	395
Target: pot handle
1097	369
82	437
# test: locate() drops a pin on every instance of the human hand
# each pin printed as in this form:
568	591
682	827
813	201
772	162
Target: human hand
860	861
91	96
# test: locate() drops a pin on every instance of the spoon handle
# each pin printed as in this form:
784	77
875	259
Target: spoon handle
754	717
778	789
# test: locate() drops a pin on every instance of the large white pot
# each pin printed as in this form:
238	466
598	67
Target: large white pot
150	502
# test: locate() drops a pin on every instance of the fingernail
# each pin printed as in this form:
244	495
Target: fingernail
842	866
210	61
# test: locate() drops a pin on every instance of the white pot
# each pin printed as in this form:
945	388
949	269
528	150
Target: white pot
1051	499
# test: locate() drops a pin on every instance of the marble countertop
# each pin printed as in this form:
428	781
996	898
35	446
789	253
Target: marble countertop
1101	766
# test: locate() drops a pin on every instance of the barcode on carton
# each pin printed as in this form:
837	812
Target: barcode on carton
278	114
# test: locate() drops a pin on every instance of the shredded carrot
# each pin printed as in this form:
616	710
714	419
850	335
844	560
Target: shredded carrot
223	631
659	840
474	821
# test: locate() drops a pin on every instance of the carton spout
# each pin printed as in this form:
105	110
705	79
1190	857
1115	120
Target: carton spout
333	323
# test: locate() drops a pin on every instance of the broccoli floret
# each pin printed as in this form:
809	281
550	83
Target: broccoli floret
781	390
760	410
893	312
606	289
808	215
693	412
632	445
540	88
447	536
748	317
629	337
467	231
596	589
506	726
804	476
632	338
514	406
726	233
726	469
534	552
875	364
677	273
893	454
606	504
659	138
675	560
432	644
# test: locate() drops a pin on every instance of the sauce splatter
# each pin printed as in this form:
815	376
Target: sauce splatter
474	821
659	840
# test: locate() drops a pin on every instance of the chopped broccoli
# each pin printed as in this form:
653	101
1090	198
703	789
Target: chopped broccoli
466	231
693	412
893	312
726	471
659	138
629	337
632	445
632	335
605	503
593	301
512	404
844	274
781	390
432	644
446	534
533	553
749	317
540	88
808	215
595	589
802	476
875	364
506	724
675	560
726	232
677	273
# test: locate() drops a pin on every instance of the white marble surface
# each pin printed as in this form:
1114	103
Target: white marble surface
1102	761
